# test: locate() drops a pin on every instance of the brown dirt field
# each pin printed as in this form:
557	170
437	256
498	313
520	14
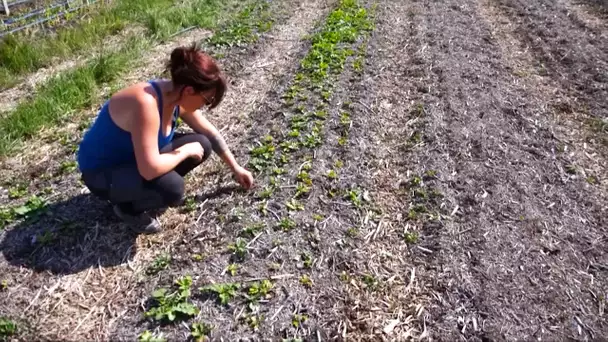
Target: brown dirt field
477	147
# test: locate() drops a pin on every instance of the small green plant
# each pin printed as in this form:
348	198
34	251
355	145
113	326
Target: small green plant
189	204
370	282
68	166
354	196
200	331
352	232
332	174
301	189
259	290
224	292
160	263
4	285
278	171
17	191
342	140
147	336
252	230
254	321
294	205
410	237
304	177
415	211
267	192
173	305
232	269
571	169
306	281
415	181
7	327
197	257
298	319
239	248
306	260
591	180
317	217
287	224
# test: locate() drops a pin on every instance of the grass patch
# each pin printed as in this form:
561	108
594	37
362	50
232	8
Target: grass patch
246	28
63	94
8	328
79	88
160	18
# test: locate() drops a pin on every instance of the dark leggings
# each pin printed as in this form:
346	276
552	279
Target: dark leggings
123	185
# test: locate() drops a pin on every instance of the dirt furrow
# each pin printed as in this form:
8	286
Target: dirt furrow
92	280
512	262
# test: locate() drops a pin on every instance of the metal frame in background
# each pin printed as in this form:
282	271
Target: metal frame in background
6	10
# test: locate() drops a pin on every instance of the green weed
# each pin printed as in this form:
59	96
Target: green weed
147	336
160	263
252	21
173	305
239	248
200	331
411	237
224	292
7	327
252	230
259	290
17	191
298	319
232	269
33	207
306	281
294	205
287	224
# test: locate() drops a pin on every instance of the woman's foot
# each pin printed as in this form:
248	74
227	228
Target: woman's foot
142	223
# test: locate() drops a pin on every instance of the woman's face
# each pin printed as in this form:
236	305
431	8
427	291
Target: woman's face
193	100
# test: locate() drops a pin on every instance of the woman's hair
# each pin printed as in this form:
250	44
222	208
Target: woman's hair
189	66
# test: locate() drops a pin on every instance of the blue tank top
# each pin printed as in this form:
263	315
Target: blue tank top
106	145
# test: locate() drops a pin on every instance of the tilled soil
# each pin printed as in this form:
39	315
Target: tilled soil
520	257
471	180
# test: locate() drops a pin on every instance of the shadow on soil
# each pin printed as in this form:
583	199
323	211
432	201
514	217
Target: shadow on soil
73	235
68	237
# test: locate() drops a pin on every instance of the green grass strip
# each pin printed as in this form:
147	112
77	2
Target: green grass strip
160	18
79	88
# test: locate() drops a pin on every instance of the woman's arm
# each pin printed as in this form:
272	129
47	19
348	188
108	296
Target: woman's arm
200	124
144	135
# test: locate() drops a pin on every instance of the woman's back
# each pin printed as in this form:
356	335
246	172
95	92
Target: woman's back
106	144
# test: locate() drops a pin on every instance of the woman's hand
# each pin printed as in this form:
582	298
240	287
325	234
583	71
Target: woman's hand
244	177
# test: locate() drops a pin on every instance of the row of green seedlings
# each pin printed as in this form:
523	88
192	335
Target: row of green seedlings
423	197
360	199
174	305
331	48
326	60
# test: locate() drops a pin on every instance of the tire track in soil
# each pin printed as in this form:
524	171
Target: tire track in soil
120	288
512	263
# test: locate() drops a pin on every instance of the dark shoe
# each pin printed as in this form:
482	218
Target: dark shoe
142	223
